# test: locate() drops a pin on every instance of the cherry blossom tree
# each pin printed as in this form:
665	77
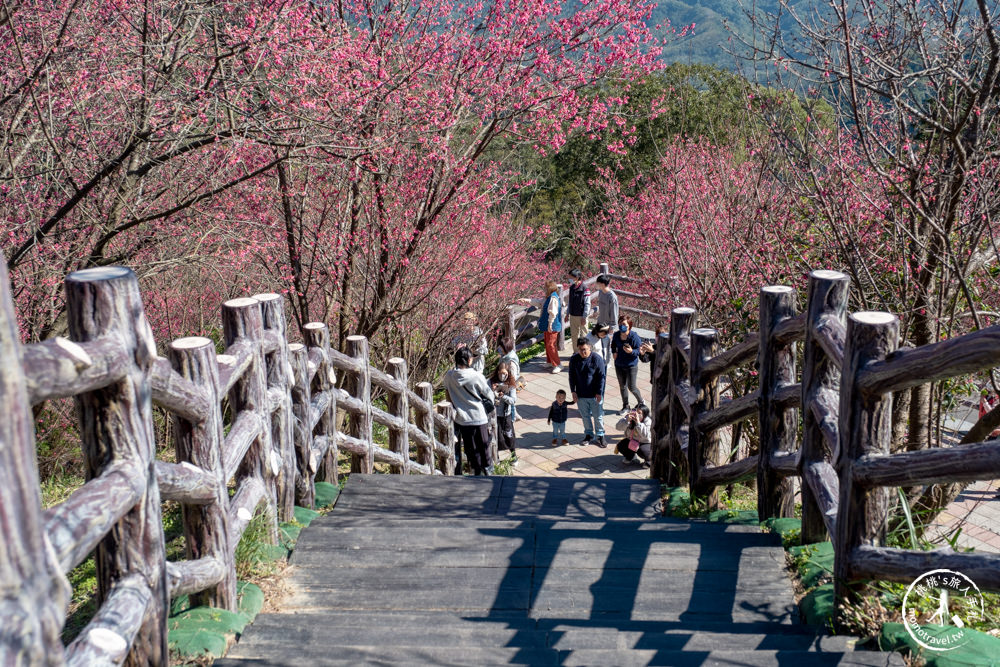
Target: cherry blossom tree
338	152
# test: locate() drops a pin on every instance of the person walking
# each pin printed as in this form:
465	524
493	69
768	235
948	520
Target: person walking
625	346
503	385
586	382
579	305
469	393
607	309
550	322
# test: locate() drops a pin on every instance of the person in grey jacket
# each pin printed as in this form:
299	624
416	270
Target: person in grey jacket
607	310
467	390
638	428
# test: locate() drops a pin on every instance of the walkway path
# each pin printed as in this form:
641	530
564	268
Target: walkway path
546	571
976	510
538	457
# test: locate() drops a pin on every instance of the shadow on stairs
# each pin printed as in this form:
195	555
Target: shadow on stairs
533	571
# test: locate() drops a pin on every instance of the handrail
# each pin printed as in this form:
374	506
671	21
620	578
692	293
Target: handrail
842	455
282	409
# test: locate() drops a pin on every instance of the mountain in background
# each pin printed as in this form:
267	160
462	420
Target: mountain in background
718	26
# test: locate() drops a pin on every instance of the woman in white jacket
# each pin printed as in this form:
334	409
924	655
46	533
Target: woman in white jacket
638	428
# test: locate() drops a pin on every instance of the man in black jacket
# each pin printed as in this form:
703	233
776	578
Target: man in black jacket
586	381
579	305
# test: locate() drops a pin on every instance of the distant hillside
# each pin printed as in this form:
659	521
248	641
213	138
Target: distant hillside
716	23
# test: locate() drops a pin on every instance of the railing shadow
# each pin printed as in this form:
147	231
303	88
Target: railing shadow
652	583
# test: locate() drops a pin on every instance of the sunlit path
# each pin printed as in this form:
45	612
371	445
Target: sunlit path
536	453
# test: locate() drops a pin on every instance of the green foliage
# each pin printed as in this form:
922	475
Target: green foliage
739	507
530	352
255	554
813	562
83	601
504	468
790	529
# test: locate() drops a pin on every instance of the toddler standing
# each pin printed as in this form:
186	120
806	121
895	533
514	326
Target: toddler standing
558	414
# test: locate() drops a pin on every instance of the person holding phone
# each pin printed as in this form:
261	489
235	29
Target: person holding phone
625	344
638	429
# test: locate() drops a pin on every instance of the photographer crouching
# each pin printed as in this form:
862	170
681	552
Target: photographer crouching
637	426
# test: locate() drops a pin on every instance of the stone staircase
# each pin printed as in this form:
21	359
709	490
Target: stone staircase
533	571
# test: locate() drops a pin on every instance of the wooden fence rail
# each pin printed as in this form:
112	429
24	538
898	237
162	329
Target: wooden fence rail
843	393
521	323
261	418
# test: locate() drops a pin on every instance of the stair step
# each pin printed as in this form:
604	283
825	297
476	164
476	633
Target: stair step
474	656
430	630
479	571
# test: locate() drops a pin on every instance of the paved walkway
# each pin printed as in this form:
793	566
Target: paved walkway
536	453
975	510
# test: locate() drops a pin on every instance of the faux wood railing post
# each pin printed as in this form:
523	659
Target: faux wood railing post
424	419
660	403
242	321
206	527
509	327
399	406
317	337
673	467
279	379
305	458
778	425
116	424
34	594
865	427
359	385
703	448
446	434
828	292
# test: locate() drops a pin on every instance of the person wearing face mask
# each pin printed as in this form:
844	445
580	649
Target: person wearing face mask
625	344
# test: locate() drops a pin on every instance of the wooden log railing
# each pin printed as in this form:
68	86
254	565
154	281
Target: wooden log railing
281	405
842	464
521	323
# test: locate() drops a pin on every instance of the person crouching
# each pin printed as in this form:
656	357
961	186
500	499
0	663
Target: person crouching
638	435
